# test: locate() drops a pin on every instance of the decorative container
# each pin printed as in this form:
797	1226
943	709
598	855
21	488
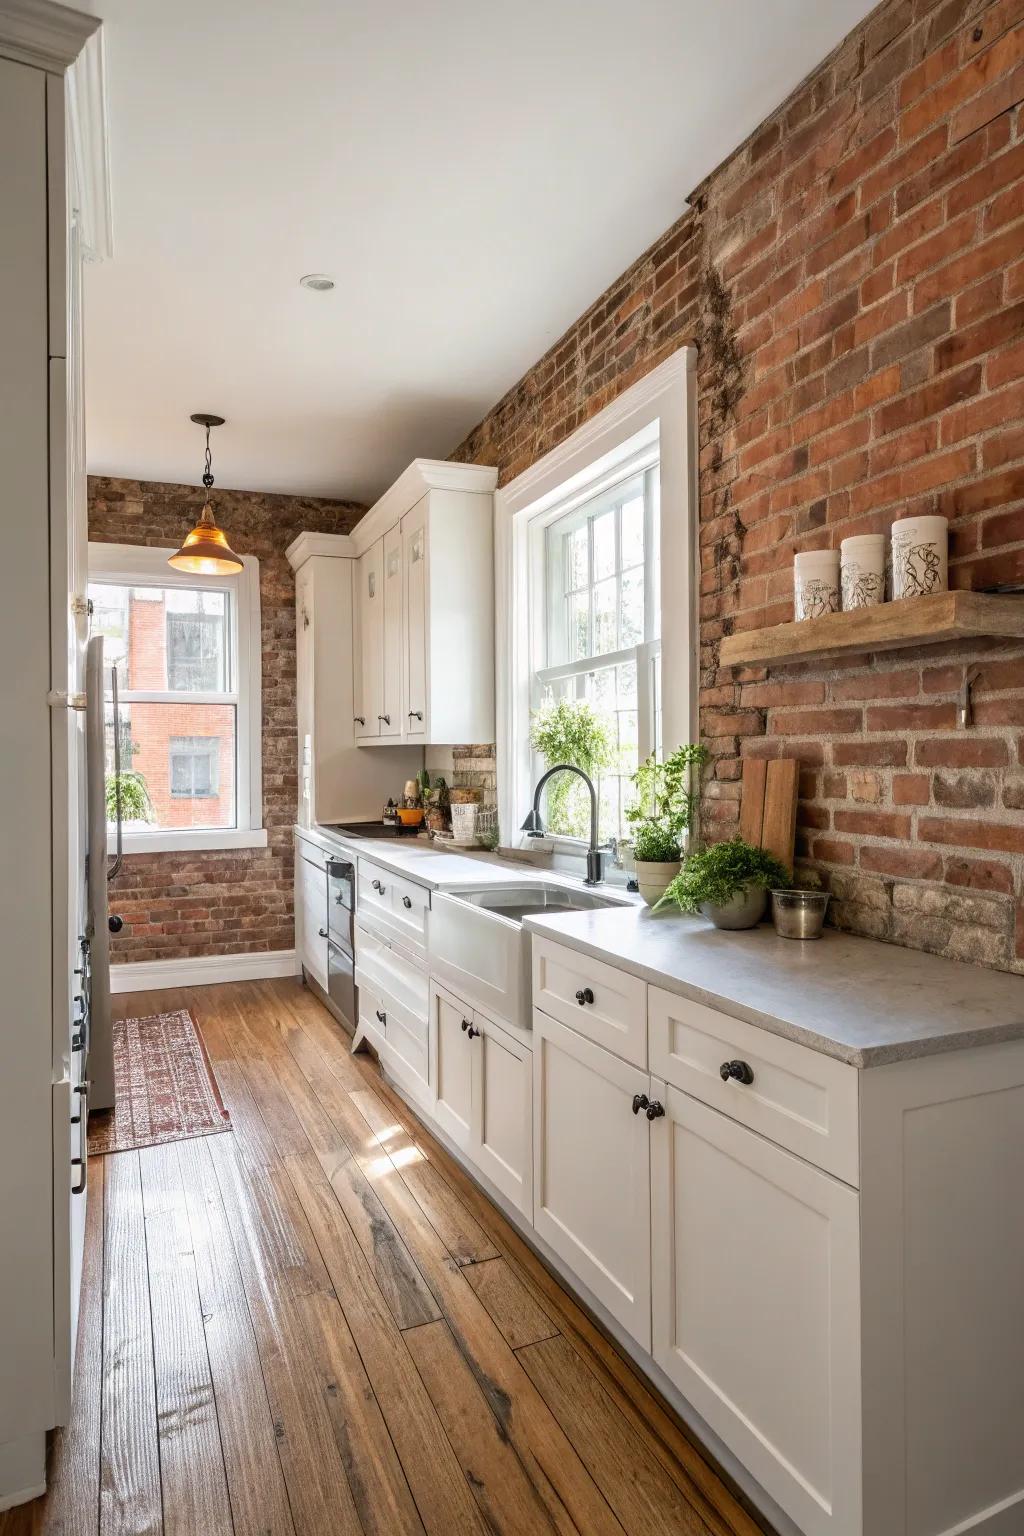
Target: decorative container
744	909
816	583
920	556
654	878
862	570
799	914
410	815
464	823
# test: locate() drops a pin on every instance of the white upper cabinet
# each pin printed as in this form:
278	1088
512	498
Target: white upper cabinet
425	609
369	628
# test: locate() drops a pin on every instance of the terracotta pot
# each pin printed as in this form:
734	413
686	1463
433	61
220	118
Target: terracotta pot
654	879
744	909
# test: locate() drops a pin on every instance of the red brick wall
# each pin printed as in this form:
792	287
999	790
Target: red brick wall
854	279
218	902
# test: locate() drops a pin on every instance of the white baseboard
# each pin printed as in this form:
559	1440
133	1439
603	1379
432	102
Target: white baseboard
22	1470
203	971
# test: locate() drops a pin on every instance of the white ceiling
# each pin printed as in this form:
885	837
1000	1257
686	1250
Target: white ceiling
472	174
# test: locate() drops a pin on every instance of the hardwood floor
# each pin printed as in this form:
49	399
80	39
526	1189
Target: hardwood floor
316	1325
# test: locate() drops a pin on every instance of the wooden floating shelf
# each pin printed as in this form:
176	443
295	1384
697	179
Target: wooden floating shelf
888	627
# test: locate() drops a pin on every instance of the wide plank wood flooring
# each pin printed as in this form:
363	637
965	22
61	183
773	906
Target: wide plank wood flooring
316	1325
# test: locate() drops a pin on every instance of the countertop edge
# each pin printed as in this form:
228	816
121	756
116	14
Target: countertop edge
860	1058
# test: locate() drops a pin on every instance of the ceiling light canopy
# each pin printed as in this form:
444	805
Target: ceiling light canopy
206	551
319	282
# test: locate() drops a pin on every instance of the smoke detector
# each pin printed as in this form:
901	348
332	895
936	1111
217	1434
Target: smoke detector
319	282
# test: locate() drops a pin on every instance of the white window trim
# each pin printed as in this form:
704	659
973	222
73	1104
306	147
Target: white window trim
661	407
143	566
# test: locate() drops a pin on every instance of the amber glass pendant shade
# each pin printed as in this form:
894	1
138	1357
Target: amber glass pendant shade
206	551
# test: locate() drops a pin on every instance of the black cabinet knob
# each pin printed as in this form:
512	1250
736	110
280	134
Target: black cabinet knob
470	1032
382	1018
358	719
640	1101
407	902
322	932
584	995
739	1071
386	719
115	923
465	1025
415	714
655	1110
378	886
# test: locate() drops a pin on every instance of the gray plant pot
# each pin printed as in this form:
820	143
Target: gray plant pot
742	910
655	877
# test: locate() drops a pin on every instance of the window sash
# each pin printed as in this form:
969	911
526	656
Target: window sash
639	476
128	565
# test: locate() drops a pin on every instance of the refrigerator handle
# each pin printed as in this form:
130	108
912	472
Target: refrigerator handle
119	855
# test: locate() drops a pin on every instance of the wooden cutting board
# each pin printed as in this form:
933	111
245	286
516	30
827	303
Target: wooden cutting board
768	806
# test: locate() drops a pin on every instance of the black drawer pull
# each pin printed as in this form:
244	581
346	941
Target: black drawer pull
79	1188
378	886
739	1071
386	719
407	902
466	1025
655	1110
640	1101
322	932
415	714
382	1018
584	995
358	719
82	1092
470	1032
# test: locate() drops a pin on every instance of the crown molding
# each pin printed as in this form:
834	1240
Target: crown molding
44	34
422	475
89	143
333	545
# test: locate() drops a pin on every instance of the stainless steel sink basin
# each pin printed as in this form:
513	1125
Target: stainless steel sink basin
514	902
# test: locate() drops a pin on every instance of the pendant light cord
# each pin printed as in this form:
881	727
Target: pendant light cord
208	470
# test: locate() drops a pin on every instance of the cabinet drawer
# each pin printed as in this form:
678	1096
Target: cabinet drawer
604	1004
409	906
406	1052
385	968
373	899
798	1098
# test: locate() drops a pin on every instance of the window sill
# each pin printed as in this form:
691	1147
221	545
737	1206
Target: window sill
191	839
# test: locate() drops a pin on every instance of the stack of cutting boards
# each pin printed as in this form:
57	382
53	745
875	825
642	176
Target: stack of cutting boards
768	806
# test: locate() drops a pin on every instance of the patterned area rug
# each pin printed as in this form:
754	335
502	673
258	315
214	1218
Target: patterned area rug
163	1085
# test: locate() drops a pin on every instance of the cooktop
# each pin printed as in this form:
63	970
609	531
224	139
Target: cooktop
373	829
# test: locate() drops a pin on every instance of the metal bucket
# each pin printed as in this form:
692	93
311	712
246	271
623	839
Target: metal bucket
799	914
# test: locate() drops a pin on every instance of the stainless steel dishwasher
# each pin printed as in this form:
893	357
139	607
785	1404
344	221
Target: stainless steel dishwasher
341	928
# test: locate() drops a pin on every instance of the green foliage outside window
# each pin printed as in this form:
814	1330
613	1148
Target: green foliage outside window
135	802
571	731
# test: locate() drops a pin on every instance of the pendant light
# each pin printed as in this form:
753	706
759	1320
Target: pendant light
206	551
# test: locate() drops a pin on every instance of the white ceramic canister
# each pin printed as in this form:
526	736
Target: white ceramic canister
920	556
816	583
862	570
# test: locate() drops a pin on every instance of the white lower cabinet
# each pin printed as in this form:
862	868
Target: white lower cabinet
483	1089
755	1302
592	1169
503	1112
453	1066
311	915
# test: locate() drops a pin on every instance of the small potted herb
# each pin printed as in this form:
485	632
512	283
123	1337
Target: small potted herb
664	813
728	883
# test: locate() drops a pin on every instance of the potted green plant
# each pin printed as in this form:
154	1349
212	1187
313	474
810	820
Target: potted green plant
728	883
664	812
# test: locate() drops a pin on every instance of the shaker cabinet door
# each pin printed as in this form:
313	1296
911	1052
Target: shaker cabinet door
414	558
390	713
452	1046
592	1172
756	1306
502	1112
370	636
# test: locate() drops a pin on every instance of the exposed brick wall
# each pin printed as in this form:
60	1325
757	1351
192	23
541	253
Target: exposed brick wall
218	902
854	279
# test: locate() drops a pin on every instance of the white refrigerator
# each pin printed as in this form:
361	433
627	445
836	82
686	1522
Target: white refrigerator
54	978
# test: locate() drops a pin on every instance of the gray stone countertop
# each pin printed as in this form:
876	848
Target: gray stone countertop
856	999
